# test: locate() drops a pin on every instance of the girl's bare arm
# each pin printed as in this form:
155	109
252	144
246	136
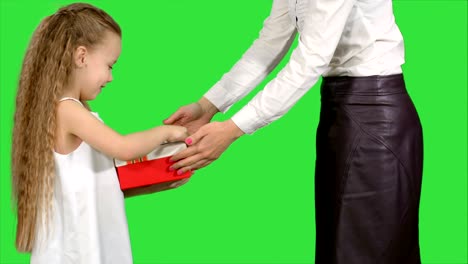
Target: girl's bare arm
77	120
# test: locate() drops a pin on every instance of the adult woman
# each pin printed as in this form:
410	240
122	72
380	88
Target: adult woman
369	139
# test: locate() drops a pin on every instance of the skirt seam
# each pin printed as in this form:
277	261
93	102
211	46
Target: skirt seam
356	141
372	136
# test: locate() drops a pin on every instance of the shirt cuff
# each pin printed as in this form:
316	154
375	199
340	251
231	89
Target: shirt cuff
219	97
248	120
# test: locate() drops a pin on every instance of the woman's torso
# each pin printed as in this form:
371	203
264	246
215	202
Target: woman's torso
371	43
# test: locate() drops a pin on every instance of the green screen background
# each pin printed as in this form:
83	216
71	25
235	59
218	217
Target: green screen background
255	204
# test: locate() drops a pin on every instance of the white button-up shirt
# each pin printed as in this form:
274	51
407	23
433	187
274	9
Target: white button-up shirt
336	38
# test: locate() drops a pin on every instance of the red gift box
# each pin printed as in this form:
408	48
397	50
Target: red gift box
151	169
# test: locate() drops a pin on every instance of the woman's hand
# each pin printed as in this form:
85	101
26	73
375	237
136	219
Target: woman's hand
206	145
193	116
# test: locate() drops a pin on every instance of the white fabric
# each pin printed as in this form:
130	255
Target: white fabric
88	222
337	38
71	98
162	151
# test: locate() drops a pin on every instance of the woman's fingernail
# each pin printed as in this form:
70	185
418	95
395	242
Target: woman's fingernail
171	169
188	141
180	172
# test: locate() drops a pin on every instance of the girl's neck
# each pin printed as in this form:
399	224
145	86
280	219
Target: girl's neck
70	93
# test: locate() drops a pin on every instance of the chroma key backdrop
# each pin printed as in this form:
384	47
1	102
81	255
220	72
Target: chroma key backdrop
256	203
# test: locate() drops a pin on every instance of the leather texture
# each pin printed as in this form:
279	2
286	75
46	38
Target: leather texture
368	172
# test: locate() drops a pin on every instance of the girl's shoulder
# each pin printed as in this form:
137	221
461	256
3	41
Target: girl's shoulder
68	109
68	106
71	116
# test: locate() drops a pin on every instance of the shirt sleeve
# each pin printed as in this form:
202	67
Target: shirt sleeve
258	61
322	30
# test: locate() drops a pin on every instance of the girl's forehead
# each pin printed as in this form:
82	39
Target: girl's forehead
111	44
112	39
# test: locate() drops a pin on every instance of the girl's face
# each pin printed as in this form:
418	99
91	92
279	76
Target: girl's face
96	70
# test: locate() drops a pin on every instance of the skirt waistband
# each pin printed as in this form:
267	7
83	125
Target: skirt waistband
369	85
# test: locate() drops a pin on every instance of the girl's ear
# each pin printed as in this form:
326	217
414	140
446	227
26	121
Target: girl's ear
80	56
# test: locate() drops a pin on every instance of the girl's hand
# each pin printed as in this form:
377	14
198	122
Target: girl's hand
206	145
193	116
177	133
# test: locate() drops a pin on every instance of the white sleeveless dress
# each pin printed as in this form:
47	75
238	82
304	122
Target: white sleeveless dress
89	224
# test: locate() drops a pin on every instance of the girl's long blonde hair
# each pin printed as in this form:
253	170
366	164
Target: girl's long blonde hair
45	72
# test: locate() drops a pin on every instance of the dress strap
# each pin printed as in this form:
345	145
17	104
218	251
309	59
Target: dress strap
71	98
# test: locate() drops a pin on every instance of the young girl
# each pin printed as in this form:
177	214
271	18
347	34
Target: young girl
69	205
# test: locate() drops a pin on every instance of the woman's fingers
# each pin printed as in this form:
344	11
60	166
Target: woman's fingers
181	117
195	165
184	115
205	146
190	151
187	164
200	164
172	119
178	183
193	139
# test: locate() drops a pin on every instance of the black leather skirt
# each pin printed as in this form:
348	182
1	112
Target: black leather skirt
368	172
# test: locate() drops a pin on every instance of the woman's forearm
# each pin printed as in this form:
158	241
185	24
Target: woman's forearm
208	108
